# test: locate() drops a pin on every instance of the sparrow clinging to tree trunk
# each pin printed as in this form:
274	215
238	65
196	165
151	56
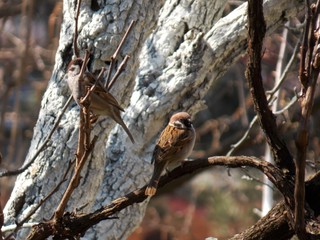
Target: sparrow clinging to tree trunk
101	101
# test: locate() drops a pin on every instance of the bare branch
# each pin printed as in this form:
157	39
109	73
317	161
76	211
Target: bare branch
120	69
271	93
256	32
115	55
42	147
83	152
286	70
76	52
98	79
74	225
21	223
308	75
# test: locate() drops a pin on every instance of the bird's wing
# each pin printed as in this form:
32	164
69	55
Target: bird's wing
109	98
102	92
168	145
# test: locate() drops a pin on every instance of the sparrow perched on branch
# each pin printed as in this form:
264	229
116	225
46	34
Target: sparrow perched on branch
101	101
174	145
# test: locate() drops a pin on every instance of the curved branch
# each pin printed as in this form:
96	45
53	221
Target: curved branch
77	224
256	33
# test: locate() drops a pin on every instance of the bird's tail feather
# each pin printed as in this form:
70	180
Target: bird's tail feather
153	184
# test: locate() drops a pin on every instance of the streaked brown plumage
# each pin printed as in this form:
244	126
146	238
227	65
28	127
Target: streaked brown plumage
174	145
101	101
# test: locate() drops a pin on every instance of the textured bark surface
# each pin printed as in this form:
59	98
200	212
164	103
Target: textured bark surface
273	226
190	48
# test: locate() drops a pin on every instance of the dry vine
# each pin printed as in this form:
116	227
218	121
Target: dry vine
308	75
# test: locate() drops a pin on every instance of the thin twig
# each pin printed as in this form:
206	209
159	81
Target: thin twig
109	73
290	104
42	147
270	96
246	134
119	71
74	181
304	47
115	55
81	137
123	39
244	137
75	38
287	68
87	131
83	152
248	176
42	201
267	193
309	70
84	64
98	79
27	11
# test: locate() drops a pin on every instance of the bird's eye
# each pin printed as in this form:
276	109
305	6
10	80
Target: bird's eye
187	123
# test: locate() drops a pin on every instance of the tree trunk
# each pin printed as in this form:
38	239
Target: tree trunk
190	48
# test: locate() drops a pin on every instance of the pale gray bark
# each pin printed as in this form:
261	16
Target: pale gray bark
187	53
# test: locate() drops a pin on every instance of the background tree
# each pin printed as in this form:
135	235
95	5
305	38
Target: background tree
185	55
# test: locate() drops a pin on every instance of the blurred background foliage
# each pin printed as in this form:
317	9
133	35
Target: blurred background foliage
29	35
217	202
